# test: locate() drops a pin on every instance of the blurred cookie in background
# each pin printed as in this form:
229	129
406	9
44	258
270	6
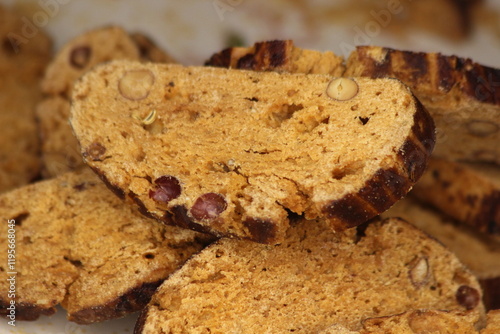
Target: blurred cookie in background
25	51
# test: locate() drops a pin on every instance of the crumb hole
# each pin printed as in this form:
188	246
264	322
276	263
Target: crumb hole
364	120
76	263
349	169
20	218
149	256
286	112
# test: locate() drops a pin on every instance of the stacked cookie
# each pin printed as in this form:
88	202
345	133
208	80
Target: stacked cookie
22	63
282	158
60	151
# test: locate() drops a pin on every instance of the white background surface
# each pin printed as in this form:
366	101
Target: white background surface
192	30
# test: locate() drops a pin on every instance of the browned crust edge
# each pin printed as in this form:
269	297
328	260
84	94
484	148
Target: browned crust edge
263	56
141	321
26	311
388	185
479	82
491	293
133	300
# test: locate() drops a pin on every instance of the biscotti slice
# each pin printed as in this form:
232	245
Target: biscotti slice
22	62
314	279
463	97
60	150
417	322
232	152
468	192
479	254
76	245
278	56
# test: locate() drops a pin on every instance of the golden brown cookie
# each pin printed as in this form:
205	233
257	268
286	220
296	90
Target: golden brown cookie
233	152
77	245
314	279
60	150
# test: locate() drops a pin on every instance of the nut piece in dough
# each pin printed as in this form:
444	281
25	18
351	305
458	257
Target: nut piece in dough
136	84
342	89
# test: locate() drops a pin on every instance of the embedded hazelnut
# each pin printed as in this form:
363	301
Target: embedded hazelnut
342	89
80	56
468	297
95	151
481	128
136	84
419	272
168	188
208	206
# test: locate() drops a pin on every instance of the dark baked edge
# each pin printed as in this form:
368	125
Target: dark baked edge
478	82
272	55
133	300
491	292
141	321
388	185
26	311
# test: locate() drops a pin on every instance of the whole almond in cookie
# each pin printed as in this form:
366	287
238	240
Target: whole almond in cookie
234	152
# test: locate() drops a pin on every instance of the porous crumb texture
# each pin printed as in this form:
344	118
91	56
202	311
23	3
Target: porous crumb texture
442	83
416	322
22	62
232	152
60	150
478	253
80	247
311	281
471	131
493	323
468	192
